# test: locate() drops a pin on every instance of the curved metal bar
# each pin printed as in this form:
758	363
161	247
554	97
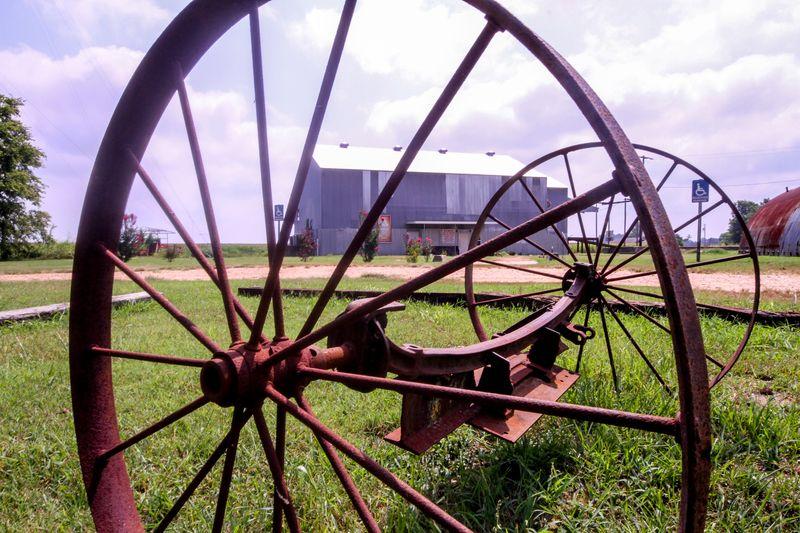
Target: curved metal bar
413	361
432	275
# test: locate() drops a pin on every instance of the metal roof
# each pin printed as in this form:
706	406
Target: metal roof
431	161
776	226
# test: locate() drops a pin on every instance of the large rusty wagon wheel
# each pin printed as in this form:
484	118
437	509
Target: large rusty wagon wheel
251	369
615	300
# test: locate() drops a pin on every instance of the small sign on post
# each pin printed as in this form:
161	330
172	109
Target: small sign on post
278	211
699	196
699	191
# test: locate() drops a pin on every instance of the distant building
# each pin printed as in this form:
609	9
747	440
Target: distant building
776	226
440	197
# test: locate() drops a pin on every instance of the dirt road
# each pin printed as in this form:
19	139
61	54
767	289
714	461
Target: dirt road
712	281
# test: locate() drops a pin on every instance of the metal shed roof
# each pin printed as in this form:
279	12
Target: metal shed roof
386	159
776	226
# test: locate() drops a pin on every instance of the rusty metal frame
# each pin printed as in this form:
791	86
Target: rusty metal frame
273	367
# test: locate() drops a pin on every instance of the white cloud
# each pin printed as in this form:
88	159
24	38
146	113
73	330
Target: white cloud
85	18
69	102
419	41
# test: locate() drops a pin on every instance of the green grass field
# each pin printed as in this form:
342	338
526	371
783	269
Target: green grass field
237	258
562	475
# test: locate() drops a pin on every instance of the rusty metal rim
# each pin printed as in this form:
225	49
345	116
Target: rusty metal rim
474	313
185	40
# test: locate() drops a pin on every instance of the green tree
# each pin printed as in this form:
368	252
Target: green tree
22	223
747	208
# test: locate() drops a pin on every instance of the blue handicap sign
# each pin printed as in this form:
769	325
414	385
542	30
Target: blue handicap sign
278	211
699	191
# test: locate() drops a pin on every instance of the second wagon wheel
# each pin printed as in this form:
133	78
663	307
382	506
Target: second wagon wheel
615	302
253	368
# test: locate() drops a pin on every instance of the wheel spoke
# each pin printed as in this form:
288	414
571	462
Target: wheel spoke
560	235
194	249
581	347
608	349
158	426
280	443
551	255
603	232
153	358
580	218
370	465
201	475
676	230
636	219
656	424
345	479
634	291
302	169
408	156
263	157
490	301
636	309
688	265
432	275
276	469
184	321
636	345
227	473
521	269
208	208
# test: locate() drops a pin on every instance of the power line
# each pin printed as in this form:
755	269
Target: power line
765	151
750	184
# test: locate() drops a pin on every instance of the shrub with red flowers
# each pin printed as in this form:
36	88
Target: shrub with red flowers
131	239
413	249
307	245
427	248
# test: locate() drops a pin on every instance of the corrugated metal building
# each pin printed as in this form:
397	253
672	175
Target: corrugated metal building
441	197
776	226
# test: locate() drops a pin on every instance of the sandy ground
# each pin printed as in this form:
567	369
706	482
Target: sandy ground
716	281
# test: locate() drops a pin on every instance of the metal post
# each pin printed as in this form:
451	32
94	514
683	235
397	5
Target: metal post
699	223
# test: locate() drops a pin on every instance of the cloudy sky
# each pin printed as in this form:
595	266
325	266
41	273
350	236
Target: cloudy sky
714	82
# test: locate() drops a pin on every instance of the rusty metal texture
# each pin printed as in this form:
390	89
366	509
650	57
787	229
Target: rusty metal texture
245	375
776	225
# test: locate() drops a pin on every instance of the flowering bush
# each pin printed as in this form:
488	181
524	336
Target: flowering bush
413	249
369	248
308	243
427	248
131	239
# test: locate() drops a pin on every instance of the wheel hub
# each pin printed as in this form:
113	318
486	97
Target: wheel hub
587	271
240	374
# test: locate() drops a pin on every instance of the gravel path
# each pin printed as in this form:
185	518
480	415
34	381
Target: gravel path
713	281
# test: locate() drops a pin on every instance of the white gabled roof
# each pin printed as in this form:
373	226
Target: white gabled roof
386	159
